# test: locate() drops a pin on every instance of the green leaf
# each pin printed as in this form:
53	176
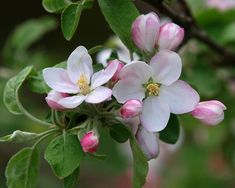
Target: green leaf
70	19
120	15
37	83
22	169
140	164
64	154
55	5
71	180
120	133
171	133
10	95
19	136
23	36
95	49
229	34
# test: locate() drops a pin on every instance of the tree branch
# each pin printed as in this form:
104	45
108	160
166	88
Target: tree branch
192	29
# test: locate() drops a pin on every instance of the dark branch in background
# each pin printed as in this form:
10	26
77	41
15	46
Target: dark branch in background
192	30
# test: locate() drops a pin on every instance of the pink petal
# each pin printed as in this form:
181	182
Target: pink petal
180	97
103	76
72	102
155	114
167	67
79	63
127	89
58	80
137	70
99	95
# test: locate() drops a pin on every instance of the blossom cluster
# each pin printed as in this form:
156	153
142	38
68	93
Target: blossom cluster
148	87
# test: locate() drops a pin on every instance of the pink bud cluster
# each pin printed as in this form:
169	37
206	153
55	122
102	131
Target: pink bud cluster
148	34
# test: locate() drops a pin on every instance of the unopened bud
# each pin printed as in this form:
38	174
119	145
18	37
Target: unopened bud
89	142
170	37
209	112
145	31
148	142
131	108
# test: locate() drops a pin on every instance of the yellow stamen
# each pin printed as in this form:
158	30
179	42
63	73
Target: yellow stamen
153	89
83	84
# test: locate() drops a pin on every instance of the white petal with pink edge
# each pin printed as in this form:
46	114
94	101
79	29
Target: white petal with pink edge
180	97
167	67
155	114
72	102
58	80
98	95
103	76
79	63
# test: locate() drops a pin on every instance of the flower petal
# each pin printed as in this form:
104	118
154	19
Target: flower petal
99	95
72	102
103	76
155	114
127	89
79	63
167	67
58	80
136	70
180	97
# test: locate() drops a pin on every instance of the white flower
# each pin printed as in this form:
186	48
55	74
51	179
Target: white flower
79	81
160	88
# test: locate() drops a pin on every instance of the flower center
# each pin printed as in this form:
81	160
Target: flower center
153	89
83	85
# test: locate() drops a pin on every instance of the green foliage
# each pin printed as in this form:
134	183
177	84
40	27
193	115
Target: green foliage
171	133
19	136
22	169
119	132
55	5
70	19
15	51
120	14
71	180
140	164
64	154
10	95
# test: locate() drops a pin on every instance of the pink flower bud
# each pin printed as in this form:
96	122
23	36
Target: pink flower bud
120	66
131	108
170	37
52	99
209	112
145	31
148	142
89	142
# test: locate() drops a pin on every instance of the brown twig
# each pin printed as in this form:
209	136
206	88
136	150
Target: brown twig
192	30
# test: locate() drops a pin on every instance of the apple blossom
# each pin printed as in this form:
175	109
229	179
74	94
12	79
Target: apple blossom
89	142
209	112
79	81
120	66
222	5
53	99
131	108
170	36
148	142
158	86
145	31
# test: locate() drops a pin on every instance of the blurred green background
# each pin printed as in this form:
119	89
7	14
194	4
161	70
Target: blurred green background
206	158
